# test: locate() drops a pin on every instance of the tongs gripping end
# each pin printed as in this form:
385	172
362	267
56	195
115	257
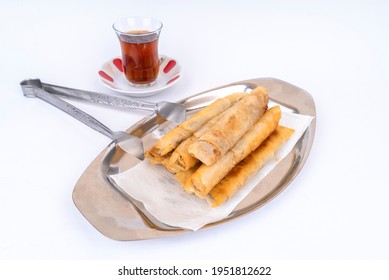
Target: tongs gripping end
29	85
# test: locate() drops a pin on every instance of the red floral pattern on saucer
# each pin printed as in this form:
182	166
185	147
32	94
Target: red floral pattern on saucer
112	76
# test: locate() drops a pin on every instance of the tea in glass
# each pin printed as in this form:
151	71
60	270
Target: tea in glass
138	38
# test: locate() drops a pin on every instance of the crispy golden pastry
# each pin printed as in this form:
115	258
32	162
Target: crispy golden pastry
183	176
184	130
235	122
156	159
181	159
248	167
206	177
168	142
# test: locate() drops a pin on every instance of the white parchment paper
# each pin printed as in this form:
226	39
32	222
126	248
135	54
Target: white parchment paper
165	199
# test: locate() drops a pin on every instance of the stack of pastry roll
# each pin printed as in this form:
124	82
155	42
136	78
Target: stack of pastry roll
161	150
219	148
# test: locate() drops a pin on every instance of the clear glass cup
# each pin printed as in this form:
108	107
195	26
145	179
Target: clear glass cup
138	38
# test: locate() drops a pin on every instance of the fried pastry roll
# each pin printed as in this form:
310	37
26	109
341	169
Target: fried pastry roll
183	176
236	121
167	143
181	159
206	177
184	130
248	167
156	159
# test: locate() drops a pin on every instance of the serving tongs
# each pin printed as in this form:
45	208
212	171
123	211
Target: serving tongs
173	112
129	143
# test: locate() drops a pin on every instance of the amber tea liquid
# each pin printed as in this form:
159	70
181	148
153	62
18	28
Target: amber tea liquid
140	57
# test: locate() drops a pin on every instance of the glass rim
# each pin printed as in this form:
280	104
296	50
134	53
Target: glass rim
155	30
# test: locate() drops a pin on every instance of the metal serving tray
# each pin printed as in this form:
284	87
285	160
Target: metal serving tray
119	217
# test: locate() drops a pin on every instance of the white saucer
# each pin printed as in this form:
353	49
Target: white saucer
111	75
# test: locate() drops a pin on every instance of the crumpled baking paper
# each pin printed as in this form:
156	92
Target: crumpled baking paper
165	199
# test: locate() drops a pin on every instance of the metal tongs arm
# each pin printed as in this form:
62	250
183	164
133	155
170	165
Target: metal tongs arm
174	112
98	98
129	143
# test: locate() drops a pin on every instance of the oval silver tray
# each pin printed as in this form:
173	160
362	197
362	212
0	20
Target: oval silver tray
119	217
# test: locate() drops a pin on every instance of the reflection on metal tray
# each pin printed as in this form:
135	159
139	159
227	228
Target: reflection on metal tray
122	218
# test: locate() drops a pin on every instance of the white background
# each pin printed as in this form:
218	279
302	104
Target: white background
337	207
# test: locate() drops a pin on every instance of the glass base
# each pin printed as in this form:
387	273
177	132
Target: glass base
142	85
